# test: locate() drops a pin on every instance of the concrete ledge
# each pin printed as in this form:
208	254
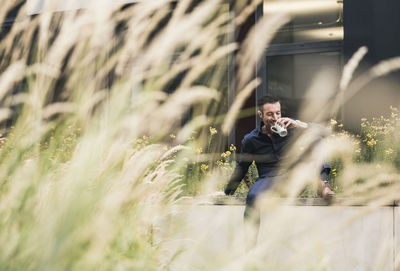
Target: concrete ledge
346	236
229	200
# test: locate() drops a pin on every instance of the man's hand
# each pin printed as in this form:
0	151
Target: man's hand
291	123
287	122
229	192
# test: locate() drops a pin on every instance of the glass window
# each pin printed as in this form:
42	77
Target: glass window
290	77
311	20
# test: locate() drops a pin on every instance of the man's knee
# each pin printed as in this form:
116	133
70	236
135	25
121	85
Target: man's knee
251	198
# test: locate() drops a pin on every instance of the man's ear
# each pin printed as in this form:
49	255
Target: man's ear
260	113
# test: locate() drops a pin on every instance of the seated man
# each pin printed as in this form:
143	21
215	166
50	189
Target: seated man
266	148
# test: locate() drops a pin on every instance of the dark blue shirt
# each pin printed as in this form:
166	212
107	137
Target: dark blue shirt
265	151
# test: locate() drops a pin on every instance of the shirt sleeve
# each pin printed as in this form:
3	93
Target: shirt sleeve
240	170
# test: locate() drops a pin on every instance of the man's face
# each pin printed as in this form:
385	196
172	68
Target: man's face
271	112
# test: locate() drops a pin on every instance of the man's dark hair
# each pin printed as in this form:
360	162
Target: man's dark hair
266	99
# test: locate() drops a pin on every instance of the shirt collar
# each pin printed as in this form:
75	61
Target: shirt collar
259	128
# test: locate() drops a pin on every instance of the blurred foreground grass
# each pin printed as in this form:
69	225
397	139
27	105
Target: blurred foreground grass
101	110
108	117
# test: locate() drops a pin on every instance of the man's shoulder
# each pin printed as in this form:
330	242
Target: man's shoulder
250	136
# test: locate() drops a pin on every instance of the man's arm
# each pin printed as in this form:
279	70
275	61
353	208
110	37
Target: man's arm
291	123
240	171
236	178
301	124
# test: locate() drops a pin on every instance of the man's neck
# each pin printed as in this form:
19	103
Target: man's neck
266	130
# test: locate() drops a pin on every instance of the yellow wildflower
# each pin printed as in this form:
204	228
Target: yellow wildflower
199	150
389	151
172	136
394	115
334	172
204	167
228	153
223	155
213	131
333	122
340	125
219	163
363	125
369	135
232	147
363	119
371	142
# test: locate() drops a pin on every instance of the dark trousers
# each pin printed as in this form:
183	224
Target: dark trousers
265	183
252	216
260	186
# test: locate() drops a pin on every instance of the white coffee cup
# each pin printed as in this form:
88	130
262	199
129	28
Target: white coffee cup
279	130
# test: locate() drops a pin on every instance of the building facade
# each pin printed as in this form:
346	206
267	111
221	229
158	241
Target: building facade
319	39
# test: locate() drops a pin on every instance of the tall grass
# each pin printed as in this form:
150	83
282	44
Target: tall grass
90	99
104	110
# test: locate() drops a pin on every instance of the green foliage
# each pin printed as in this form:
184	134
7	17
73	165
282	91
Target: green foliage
377	141
376	144
249	180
